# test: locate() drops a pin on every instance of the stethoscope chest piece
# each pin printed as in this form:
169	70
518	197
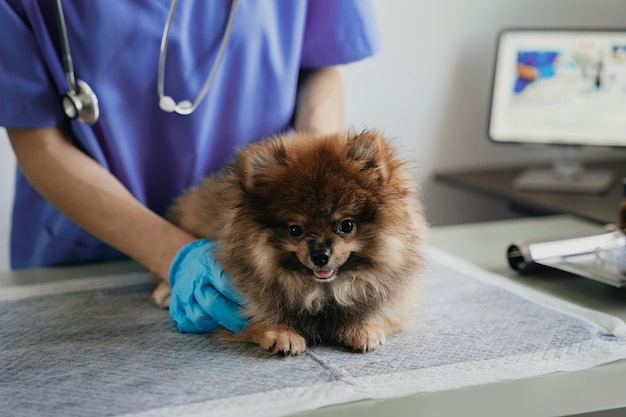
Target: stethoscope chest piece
81	104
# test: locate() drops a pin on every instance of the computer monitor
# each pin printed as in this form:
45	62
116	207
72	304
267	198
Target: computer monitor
564	88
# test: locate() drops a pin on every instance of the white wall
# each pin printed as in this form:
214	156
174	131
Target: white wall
430	86
7	177
429	89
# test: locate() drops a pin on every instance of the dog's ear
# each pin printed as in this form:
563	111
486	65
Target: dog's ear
259	160
369	148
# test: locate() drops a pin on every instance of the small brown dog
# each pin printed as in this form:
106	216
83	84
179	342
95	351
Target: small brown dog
321	234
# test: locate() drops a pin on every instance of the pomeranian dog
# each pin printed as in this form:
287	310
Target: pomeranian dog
321	234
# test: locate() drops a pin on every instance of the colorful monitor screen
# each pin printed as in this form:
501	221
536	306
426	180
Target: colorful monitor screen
560	87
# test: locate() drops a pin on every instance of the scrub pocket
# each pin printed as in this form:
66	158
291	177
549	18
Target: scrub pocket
62	242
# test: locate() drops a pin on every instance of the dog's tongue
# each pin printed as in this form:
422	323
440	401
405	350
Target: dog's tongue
323	274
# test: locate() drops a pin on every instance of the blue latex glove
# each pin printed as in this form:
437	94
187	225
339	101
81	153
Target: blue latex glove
202	298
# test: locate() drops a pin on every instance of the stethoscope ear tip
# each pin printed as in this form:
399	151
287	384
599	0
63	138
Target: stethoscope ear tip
167	103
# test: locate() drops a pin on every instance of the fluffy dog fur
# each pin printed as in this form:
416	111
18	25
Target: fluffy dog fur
321	234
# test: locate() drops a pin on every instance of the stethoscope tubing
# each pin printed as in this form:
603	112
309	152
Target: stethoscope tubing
66	54
184	107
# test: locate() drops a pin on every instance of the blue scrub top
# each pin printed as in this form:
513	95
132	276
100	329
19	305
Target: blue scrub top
115	49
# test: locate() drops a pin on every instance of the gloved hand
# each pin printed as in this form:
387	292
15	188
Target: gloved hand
202	298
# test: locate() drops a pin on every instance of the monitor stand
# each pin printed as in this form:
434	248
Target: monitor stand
568	174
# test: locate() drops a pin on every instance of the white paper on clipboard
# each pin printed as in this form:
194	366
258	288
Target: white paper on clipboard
599	256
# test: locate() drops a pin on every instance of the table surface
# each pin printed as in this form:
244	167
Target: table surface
557	394
601	208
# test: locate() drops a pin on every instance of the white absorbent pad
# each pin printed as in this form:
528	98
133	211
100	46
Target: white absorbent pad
98	347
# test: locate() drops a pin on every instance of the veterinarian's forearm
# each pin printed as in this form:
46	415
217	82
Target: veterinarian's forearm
94	199
319	105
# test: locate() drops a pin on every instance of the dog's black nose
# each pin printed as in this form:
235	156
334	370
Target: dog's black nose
320	257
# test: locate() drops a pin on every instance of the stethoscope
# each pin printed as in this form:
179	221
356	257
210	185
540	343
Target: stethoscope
81	103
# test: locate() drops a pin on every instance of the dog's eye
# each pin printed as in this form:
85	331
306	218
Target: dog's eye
295	230
346	227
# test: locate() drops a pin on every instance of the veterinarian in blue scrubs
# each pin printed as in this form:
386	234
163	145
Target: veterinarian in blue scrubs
95	192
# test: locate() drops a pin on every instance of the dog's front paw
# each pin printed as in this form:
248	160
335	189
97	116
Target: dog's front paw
161	294
277	339
366	337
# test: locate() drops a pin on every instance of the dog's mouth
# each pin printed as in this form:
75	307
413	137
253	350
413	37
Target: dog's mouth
324	274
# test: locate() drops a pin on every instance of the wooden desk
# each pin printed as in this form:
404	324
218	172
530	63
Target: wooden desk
601	208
